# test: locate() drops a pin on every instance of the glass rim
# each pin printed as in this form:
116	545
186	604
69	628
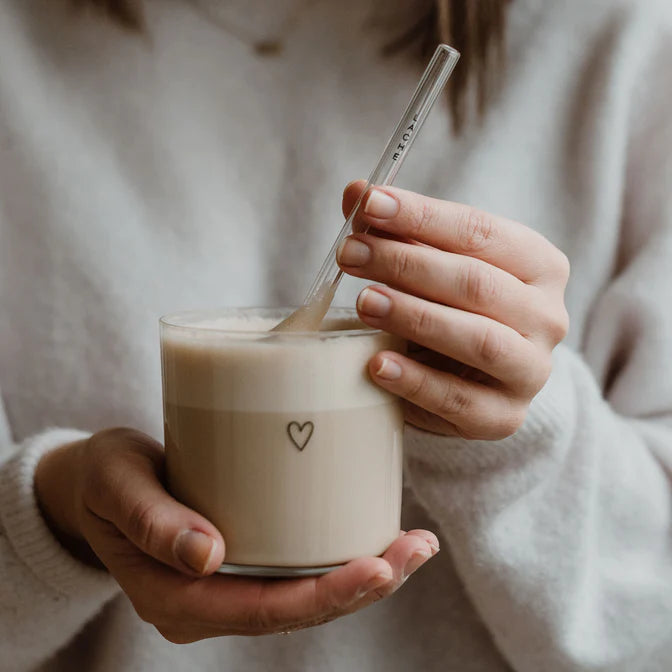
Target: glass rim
170	320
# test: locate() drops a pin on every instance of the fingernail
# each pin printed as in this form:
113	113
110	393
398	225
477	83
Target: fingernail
195	549
417	560
373	303
389	370
381	205
435	548
378	581
353	252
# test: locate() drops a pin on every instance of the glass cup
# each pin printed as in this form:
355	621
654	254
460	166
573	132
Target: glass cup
281	439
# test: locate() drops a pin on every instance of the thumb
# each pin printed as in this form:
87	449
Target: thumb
127	491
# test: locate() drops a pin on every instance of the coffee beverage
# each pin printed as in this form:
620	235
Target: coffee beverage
281	439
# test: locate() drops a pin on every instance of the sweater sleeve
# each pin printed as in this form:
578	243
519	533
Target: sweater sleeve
562	533
46	595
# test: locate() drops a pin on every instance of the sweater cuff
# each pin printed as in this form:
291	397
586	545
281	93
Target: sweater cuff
545	433
27	531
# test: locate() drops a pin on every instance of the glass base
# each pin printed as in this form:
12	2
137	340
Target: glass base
276	572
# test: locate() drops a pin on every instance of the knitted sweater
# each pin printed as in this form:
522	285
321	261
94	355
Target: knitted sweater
145	174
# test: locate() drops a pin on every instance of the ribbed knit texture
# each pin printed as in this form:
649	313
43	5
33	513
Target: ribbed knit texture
27	530
56	591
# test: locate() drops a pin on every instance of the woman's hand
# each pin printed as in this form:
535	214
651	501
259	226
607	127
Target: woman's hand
108	492
480	298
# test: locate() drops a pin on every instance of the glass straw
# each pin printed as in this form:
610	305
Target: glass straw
316	304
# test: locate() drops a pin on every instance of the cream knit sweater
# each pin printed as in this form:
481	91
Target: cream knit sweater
140	175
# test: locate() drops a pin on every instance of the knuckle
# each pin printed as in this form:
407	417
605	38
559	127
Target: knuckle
420	324
533	370
419	388
556	324
423	217
476	230
530	385
454	402
94	487
479	285
561	326
493	424
98	484
142	523
118	443
542	374
561	265
402	264
490	347
107	455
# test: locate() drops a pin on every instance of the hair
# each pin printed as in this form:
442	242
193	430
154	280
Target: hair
476	28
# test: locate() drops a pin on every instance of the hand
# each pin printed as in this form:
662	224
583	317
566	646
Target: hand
481	299
163	554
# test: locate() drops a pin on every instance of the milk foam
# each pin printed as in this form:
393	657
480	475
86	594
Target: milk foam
255	371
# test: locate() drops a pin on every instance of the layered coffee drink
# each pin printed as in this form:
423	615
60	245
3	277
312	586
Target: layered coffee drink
281	439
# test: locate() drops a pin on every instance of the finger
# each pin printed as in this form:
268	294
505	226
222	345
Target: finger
428	422
177	605
291	602
185	610
428	537
350	197
442	363
358	228
351	194
404	556
258	606
232	605
126	489
462	229
452	279
156	591
474	340
418	557
476	411
410	551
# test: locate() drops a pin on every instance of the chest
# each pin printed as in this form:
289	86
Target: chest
144	175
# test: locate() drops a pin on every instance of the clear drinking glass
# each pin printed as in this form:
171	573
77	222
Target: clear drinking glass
281	439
